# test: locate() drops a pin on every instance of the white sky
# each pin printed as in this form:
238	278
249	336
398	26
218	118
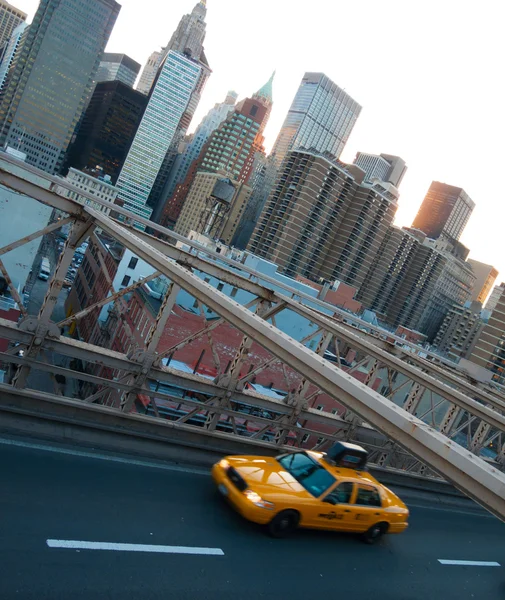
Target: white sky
429	75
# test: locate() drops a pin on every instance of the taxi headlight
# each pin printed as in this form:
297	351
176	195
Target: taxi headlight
257	500
224	464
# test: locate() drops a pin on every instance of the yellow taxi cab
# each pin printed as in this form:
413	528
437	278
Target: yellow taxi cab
330	491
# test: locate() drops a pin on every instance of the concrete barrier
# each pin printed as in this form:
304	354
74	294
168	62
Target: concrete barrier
48	417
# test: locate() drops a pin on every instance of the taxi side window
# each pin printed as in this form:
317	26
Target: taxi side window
368	496
341	494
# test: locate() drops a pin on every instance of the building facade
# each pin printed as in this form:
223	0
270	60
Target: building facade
48	87
486	276
168	100
11	48
454	286
107	129
10	18
494	297
446	209
149	73
214	207
118	67
93	183
229	151
385	167
402	277
460	330
193	147
321	118
188	39
322	220
489	350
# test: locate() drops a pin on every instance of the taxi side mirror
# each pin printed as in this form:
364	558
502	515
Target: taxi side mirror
331	501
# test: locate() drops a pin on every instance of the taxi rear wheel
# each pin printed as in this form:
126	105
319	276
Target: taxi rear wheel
374	534
283	523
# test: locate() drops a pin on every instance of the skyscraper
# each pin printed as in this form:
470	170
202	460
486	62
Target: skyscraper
10	50
321	118
48	87
229	151
489	350
445	209
402	277
172	90
107	129
322	220
149	73
486	276
10	18
187	39
118	67
385	167
208	125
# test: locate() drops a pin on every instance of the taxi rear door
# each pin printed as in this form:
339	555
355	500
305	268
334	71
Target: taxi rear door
367	508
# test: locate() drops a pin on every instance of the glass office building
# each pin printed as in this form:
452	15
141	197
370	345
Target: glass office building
321	119
169	98
50	83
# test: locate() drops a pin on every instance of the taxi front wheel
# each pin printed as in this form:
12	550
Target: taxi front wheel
283	523
374	534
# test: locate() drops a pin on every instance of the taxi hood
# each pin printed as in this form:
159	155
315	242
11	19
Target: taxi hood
266	476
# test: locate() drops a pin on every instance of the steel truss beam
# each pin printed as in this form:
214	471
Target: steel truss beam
484	484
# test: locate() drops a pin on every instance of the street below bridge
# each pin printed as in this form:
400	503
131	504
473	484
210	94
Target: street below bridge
185	543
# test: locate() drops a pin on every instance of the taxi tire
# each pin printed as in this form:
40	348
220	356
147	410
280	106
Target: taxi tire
375	533
284	523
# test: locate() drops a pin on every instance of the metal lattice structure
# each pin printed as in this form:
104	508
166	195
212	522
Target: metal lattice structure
427	417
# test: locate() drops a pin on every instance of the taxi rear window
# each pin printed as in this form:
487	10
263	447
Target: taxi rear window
308	472
368	496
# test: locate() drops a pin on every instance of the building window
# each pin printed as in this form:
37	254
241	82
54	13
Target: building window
126	280
133	262
320	407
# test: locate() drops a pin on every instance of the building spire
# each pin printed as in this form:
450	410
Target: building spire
266	92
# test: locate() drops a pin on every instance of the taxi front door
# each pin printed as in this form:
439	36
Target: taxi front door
335	510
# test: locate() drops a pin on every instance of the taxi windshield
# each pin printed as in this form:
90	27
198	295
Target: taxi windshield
308	472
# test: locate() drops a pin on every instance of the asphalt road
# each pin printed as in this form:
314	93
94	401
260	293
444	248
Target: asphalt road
49	495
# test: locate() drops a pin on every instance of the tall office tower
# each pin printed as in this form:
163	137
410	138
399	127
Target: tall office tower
321	119
402	277
10	18
107	129
149	73
385	167
11	50
229	151
489	351
187	39
48	87
193	147
486	276
454	286
172	90
495	296
445	209
118	67
322	220
461	329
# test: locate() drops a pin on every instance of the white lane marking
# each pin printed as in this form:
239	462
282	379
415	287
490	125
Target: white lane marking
78	545
468	563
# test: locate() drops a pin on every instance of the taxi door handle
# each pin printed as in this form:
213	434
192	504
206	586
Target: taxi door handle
346	510
378	514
